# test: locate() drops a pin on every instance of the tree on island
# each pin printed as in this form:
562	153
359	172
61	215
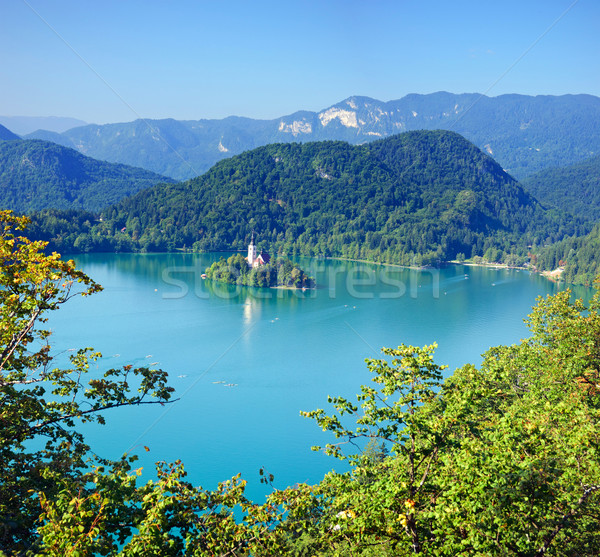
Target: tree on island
503	460
277	272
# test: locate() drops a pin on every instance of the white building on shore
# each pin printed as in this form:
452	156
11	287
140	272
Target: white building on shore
255	260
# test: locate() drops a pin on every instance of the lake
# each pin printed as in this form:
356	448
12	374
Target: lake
245	362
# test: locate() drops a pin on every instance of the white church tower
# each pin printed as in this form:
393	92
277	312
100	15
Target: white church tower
251	251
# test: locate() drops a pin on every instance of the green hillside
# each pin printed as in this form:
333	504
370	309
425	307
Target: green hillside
37	175
574	189
580	258
411	199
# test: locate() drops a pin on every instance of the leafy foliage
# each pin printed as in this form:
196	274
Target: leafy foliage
392	413
39	401
502	460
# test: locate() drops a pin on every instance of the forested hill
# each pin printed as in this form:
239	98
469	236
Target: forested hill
575	188
579	257
413	198
37	174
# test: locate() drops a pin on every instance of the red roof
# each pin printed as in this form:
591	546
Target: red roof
264	257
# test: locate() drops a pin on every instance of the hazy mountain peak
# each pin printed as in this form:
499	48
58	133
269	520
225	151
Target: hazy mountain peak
28	124
7	135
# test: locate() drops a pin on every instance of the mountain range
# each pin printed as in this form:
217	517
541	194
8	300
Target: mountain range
525	134
550	143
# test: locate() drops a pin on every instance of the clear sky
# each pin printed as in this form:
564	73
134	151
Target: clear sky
118	60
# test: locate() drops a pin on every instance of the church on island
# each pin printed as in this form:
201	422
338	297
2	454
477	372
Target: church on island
256	260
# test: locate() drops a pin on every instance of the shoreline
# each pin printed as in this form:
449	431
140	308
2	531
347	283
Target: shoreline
278	287
553	276
449	262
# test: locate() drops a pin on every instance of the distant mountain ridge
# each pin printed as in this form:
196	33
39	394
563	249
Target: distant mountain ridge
7	135
37	175
524	134
28	124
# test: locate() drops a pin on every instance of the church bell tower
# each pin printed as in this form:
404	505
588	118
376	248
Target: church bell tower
251	251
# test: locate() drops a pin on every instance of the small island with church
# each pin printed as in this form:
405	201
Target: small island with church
259	269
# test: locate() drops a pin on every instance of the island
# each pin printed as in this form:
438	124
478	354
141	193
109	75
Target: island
259	269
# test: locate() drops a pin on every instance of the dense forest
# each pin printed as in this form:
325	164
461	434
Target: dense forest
579	257
501	460
37	175
413	199
574	189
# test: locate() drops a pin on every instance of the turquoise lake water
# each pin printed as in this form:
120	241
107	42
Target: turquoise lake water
246	361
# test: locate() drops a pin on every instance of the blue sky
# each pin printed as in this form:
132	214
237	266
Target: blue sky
115	61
